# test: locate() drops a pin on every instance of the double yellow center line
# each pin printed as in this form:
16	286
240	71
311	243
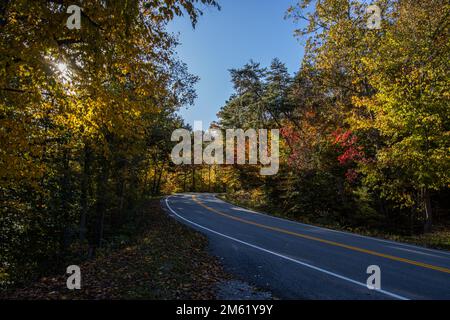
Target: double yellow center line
333	243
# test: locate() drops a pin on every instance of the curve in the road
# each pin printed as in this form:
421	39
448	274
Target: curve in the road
390	294
333	243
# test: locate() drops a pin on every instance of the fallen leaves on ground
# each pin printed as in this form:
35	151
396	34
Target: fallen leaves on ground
166	261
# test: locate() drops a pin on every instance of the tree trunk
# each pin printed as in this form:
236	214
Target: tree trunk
101	201
209	178
427	210
85	181
155	172
193	179
185	179
121	195
64	202
158	184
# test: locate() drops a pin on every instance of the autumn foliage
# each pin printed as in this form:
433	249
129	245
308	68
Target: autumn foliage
85	115
364	122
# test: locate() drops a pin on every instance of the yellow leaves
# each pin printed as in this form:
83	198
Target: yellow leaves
119	80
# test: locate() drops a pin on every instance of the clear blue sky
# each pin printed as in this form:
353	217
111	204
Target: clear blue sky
242	30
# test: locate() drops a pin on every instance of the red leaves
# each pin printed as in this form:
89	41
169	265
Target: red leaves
350	154
290	134
350	151
345	138
348	143
293	139
351	175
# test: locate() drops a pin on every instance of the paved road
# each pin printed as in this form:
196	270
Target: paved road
299	261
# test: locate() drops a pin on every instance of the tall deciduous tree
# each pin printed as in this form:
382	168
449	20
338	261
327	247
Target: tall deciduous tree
408	71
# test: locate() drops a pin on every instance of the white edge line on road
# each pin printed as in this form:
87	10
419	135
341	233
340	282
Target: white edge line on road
395	243
285	257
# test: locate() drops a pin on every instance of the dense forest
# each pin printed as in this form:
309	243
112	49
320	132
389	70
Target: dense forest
85	118
87	115
365	121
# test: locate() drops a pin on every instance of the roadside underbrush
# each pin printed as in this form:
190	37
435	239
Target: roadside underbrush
156	258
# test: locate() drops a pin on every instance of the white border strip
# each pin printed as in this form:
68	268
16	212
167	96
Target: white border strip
393	242
393	295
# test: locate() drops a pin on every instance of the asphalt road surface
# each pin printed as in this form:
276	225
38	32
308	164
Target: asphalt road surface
299	261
